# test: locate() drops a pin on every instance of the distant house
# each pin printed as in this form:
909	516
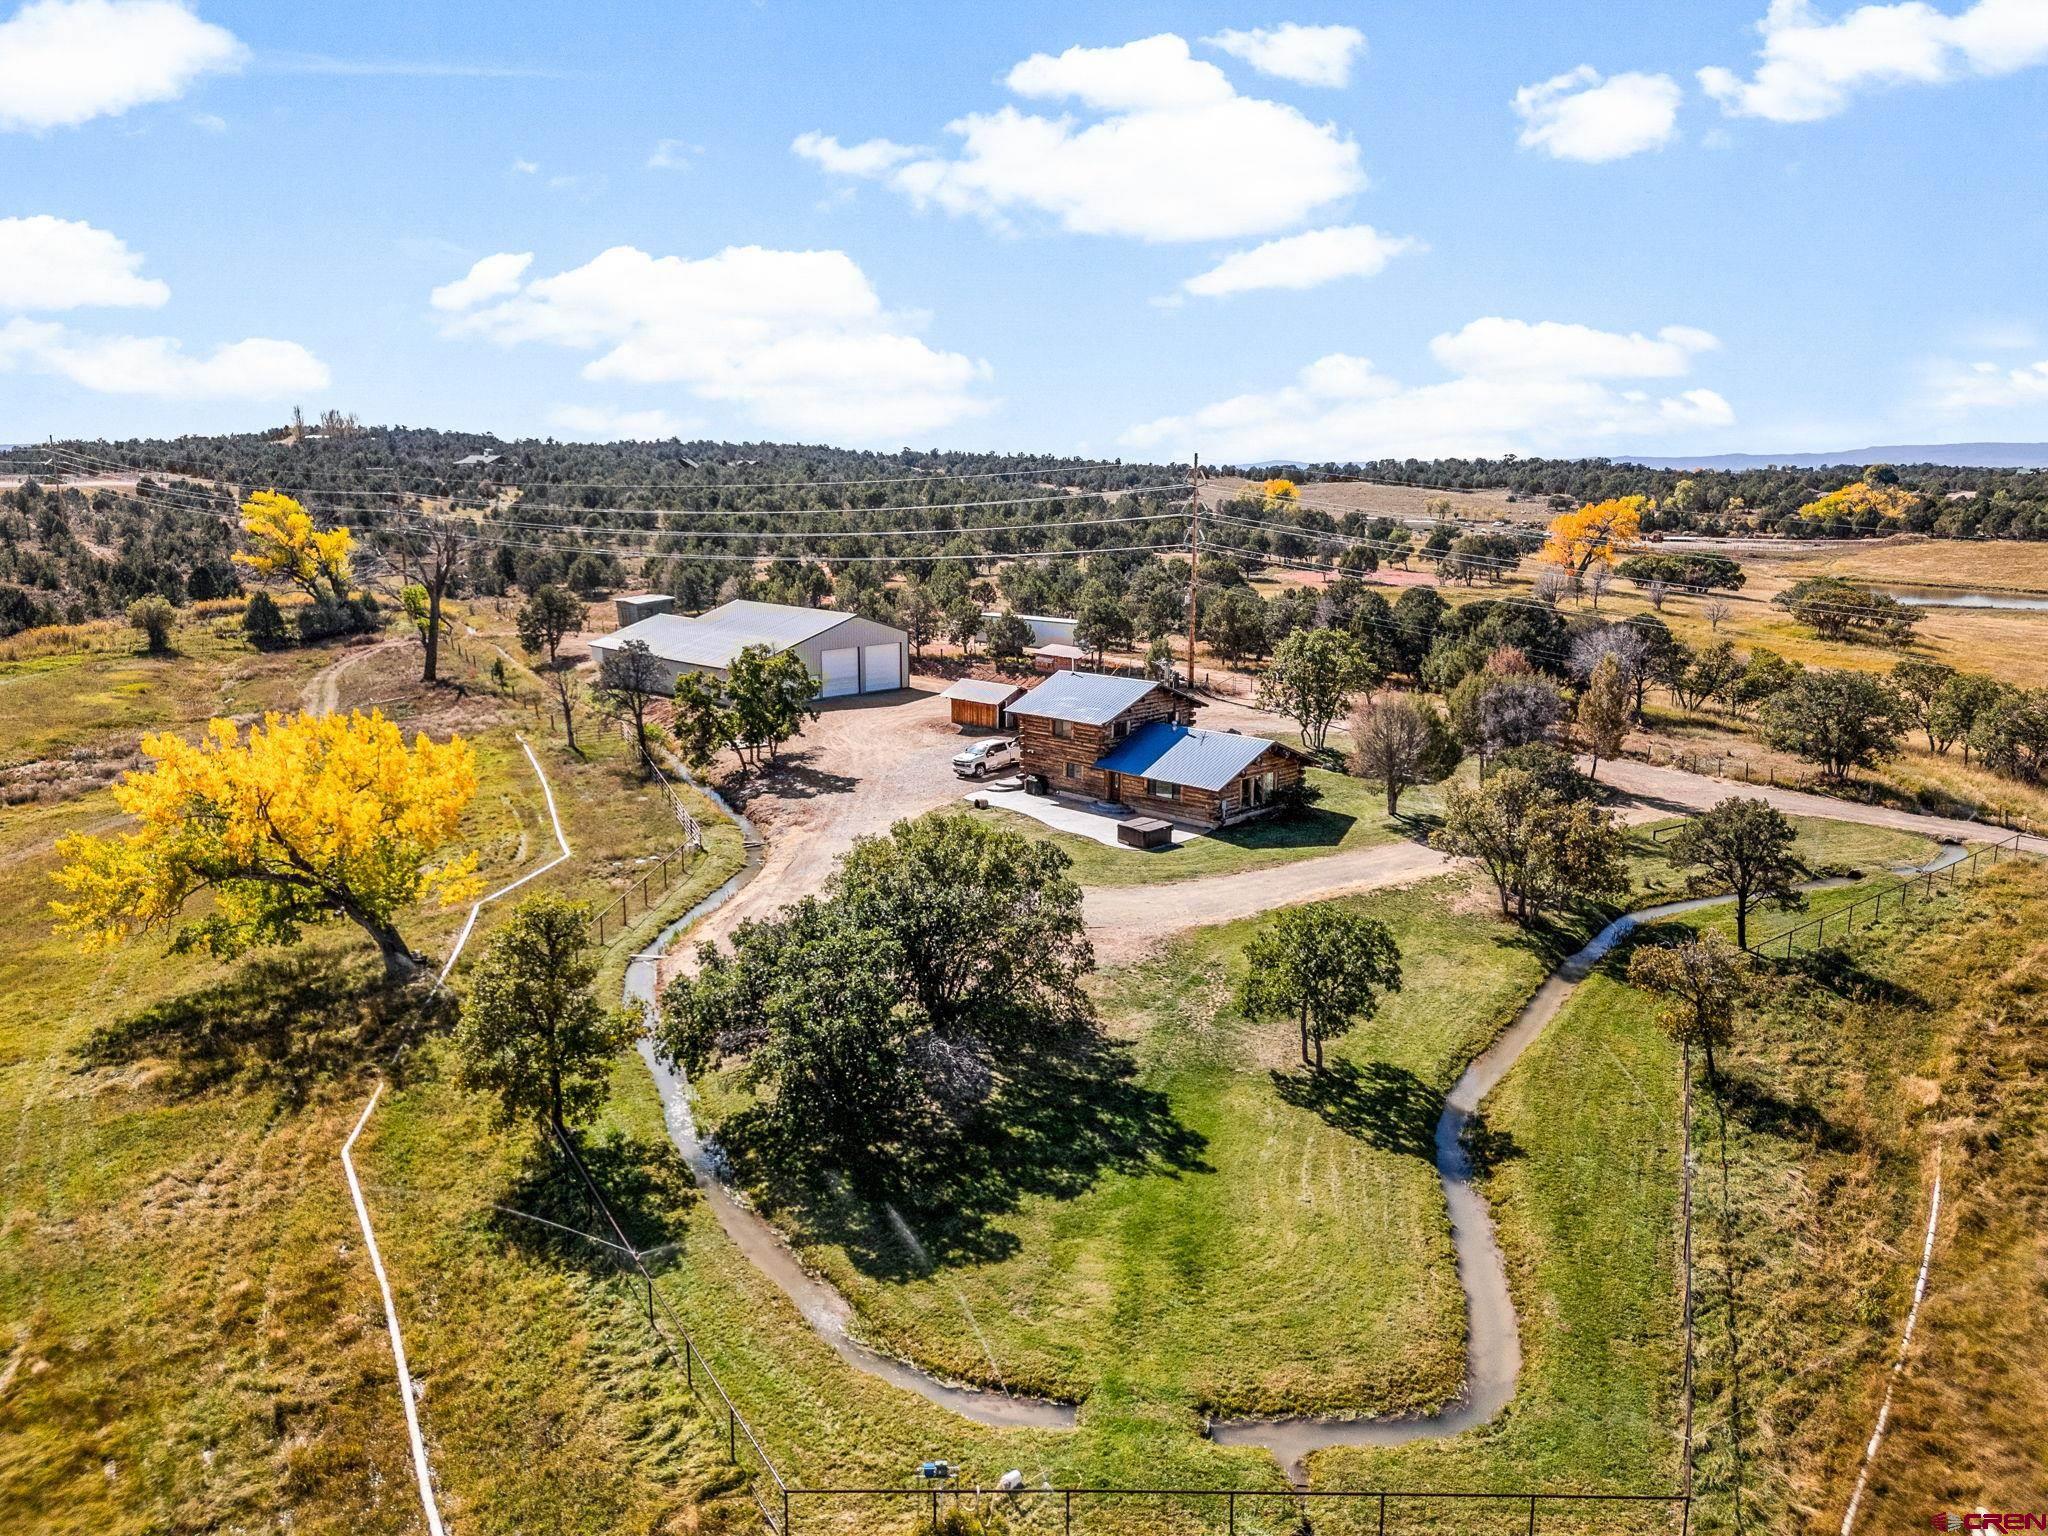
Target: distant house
846	653
976	701
1057	657
1133	742
1045	629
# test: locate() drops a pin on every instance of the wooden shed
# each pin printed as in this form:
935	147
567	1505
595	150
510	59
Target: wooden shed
979	703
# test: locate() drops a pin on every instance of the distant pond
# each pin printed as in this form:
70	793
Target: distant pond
1963	597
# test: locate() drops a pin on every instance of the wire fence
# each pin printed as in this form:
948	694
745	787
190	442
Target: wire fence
656	881
1262	1511
765	1485
1812	935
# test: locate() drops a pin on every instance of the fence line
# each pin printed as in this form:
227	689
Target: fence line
671	866
1814	931
695	1367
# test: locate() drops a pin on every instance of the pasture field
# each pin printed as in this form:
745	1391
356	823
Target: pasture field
192	1339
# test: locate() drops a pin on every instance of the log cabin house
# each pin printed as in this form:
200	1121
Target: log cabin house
1133	742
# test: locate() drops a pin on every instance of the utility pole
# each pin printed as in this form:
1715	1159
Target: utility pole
1194	551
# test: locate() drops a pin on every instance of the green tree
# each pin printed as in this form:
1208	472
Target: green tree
1401	740
1605	709
532	1032
1701	982
920	617
1325	966
988	922
963	623
1102	623
1311	680
1744	846
1539	850
703	725
155	618
771	694
1919	684
1839	720
2011	736
1007	635
1234	620
263	623
1964	700
629	680
548	616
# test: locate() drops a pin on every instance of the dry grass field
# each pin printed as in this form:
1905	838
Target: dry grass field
1409	501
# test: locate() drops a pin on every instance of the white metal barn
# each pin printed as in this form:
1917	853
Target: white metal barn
847	653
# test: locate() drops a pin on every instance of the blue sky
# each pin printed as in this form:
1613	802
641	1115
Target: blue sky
1454	227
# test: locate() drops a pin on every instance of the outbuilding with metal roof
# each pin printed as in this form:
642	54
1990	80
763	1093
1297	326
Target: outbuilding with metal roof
845	652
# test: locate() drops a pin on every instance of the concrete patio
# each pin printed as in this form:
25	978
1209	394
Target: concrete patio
1075	816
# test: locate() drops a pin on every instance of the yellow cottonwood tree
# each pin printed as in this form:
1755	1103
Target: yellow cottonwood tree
307	819
283	543
1594	534
1281	490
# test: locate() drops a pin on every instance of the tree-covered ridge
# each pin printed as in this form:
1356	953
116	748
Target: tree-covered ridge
1938	499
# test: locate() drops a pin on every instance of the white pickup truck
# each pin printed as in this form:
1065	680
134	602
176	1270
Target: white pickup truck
986	757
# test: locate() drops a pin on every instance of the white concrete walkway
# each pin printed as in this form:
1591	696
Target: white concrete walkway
1066	816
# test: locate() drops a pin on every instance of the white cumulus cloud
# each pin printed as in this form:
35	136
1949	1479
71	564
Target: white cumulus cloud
872	157
491	278
1580	115
51	263
1305	55
1810	66
1175	152
65	62
256	369
1301	261
1513	387
797	341
1982	386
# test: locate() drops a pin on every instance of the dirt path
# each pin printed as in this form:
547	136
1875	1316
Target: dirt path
323	689
1679	790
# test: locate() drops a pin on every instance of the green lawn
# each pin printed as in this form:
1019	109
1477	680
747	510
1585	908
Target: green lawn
1350	813
1217	1230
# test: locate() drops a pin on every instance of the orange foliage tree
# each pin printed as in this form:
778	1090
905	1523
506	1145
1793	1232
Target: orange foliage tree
1593	535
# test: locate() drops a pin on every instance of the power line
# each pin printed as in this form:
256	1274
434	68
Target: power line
492	524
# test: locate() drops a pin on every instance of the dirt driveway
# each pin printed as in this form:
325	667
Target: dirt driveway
862	765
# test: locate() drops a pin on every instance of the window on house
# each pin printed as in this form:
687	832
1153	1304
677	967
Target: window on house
1159	789
1073	770
1258	790
1120	730
1063	730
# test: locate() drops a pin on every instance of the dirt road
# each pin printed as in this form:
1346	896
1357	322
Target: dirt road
1678	790
862	765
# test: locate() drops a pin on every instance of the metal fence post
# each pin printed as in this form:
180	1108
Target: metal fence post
1532	1515
1231	1512
1383	1515
785	1512
1069	1496
732	1434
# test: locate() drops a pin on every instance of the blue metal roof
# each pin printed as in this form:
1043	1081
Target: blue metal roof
1086	698
1185	754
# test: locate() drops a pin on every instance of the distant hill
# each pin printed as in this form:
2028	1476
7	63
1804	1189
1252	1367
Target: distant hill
1958	455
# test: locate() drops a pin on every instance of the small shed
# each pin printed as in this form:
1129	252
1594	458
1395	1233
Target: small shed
635	606
1058	658
978	702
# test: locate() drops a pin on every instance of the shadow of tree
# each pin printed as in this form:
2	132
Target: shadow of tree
795	776
1063	1115
1385	1106
1762	1109
644	1183
282	1022
1303	827
1841	974
1486	1148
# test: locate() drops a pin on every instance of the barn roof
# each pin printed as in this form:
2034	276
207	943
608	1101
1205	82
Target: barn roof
1186	754
1086	698
713	639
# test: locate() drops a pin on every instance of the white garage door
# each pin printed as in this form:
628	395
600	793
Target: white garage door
842	673
884	667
